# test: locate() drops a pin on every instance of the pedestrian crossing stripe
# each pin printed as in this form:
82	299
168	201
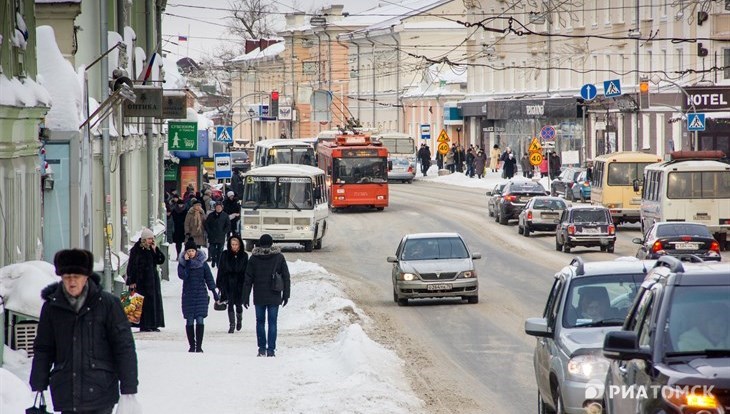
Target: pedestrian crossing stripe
612	90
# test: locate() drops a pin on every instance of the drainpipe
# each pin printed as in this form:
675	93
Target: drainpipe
397	78
359	76
329	72
151	156
372	48
162	210
293	93
123	196
105	145
635	141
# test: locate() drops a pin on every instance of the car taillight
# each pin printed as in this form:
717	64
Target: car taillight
410	168
570	185
715	246
529	215
571	229
657	246
611	229
510	198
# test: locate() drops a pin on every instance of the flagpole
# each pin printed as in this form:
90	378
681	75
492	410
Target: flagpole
187	52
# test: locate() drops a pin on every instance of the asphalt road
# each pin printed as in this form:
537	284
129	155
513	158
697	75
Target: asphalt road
460	357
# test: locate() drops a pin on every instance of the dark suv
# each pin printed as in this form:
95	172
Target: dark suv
672	355
588	226
515	196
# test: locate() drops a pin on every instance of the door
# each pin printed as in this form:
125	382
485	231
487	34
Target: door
544	346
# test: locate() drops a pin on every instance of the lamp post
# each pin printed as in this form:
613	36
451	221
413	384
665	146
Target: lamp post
251	114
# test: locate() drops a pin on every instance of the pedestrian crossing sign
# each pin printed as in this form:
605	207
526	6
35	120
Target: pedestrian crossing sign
443	136
224	133
612	88
695	122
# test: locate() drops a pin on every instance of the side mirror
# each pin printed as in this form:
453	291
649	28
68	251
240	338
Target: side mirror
476	256
637	240
489	193
623	346
636	186
392	259
390	165
538	327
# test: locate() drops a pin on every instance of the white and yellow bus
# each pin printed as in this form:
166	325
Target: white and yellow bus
688	188
288	202
615	177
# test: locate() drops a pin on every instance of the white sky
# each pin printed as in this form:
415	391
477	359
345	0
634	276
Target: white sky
207	28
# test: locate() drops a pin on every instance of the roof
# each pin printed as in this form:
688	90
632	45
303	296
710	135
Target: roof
431	235
611	267
628	156
283	143
257	54
285	170
377	17
683	165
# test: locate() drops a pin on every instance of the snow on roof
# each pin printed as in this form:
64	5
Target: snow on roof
57	75
377	17
173	78
24	93
56	1
256	54
21	285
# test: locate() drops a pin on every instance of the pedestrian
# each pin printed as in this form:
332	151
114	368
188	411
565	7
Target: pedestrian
196	275
143	277
231	271
526	166
266	260
424	156
544	167
189	192
217	226
449	159
494	158
232	207
178	214
509	163
459	158
83	338
554	165
480	163
470	156
195	223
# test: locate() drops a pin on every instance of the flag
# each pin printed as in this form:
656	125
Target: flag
145	75
182	38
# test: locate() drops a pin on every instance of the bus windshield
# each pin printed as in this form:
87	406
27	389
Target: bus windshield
399	146
624	173
360	170
699	184
291	155
278	193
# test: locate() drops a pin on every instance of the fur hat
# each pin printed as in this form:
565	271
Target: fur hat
76	261
265	240
146	234
190	244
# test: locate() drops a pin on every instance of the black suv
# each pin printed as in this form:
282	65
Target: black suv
514	197
672	355
588	226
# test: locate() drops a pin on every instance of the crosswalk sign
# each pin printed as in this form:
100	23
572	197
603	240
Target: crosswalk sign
443	136
224	133
612	88
695	122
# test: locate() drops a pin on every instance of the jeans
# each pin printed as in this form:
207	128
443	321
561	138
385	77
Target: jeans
198	321
214	251
265	342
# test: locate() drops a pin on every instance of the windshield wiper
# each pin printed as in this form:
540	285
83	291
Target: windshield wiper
602	322
711	353
294	204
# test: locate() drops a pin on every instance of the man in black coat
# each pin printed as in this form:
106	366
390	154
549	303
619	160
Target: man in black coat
264	261
143	277
232	207
178	214
424	156
554	165
83	337
217	226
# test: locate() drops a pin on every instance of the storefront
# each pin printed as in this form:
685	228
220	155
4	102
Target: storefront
714	102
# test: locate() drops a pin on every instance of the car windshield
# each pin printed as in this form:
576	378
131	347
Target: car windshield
549	205
671	230
699	319
434	249
600	300
589	216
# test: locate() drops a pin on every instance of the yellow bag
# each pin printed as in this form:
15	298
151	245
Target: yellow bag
132	303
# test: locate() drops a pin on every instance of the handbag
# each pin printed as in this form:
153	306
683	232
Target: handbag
132	303
221	304
39	405
277	281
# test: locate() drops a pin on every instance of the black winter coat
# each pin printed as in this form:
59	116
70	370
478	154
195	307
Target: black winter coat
231	271
217	226
86	358
178	220
142	270
231	206
259	272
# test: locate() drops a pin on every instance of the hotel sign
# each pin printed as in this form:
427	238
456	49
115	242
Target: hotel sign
713	98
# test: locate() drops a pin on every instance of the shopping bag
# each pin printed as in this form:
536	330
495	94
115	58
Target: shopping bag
39	405
132	303
128	404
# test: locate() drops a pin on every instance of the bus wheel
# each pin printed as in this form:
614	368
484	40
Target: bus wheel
318	244
308	246
381	208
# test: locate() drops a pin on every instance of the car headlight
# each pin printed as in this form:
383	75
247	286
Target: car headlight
588	366
468	274
407	276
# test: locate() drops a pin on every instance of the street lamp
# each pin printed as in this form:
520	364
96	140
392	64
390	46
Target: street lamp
251	114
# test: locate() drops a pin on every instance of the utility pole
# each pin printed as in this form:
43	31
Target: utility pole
151	156
106	180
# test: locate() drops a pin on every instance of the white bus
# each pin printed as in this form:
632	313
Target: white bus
401	155
282	151
287	201
687	189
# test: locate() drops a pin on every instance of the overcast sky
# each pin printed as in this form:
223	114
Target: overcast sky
206	28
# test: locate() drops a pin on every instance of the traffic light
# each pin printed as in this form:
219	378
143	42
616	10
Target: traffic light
644	94
274	104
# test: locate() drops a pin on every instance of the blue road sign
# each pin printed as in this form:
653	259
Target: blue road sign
425	131
695	122
222	162
588	92
612	88
547	133
224	133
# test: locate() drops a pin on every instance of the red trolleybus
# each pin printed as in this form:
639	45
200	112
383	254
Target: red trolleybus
357	171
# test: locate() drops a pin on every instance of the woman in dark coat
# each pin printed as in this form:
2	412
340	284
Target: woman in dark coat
142	276
178	214
196	275
231	269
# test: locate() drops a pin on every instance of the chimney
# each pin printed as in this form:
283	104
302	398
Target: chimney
295	19
334	12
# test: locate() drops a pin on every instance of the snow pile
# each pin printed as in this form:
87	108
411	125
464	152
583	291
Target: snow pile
487	182
61	81
21	285
15	395
25	93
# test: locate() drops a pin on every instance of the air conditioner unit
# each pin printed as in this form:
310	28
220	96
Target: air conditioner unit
307	43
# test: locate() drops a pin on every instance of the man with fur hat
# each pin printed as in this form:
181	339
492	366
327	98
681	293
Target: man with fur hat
142	276
84	337
264	261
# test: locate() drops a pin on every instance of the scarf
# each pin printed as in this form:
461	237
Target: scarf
77	302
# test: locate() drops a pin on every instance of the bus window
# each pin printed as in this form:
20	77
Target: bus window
259	192
294	192
360	170
624	173
699	184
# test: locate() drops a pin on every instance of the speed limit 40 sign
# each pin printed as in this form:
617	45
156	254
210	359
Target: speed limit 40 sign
535	158
443	148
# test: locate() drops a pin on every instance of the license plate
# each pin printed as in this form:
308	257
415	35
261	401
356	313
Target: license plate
703	217
439	286
549	215
277	236
590	231
686	246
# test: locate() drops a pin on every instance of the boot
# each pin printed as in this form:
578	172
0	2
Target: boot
190	330
199	331
230	322
239	318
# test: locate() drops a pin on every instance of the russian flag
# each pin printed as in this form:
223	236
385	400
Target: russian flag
182	38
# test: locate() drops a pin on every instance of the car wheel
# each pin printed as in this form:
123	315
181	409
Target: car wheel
526	231
603	248
558	246
519	229
496	215
559	409
566	248
410	181
610	248
489	212
380	208
542	408
569	195
473	299
502	220
402	301
318	244
395	296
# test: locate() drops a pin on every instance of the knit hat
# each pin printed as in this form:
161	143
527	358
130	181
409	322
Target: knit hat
76	261
146	234
190	244
230	194
265	240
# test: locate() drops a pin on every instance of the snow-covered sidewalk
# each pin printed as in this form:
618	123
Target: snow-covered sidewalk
325	361
487	182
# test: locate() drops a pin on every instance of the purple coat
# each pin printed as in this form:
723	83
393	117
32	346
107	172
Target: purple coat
196	275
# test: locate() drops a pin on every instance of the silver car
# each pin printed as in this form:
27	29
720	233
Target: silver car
402	169
434	265
540	214
587	300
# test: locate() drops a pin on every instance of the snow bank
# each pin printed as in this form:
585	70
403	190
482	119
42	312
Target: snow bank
15	395
21	285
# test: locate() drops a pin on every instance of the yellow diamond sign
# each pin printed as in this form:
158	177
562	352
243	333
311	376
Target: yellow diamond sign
535	145
443	136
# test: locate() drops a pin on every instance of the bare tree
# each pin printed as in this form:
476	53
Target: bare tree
252	19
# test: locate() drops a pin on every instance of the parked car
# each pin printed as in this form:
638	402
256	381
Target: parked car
573	184
587	226
492	197
514	197
581	188
434	265
678	239
540	214
587	300
402	169
674	348
566	178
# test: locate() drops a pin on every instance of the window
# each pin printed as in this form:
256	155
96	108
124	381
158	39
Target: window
596	299
645	326
598	174
435	249
624	173
553	304
639	310
699	184
726	62
278	193
698	319
682	229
